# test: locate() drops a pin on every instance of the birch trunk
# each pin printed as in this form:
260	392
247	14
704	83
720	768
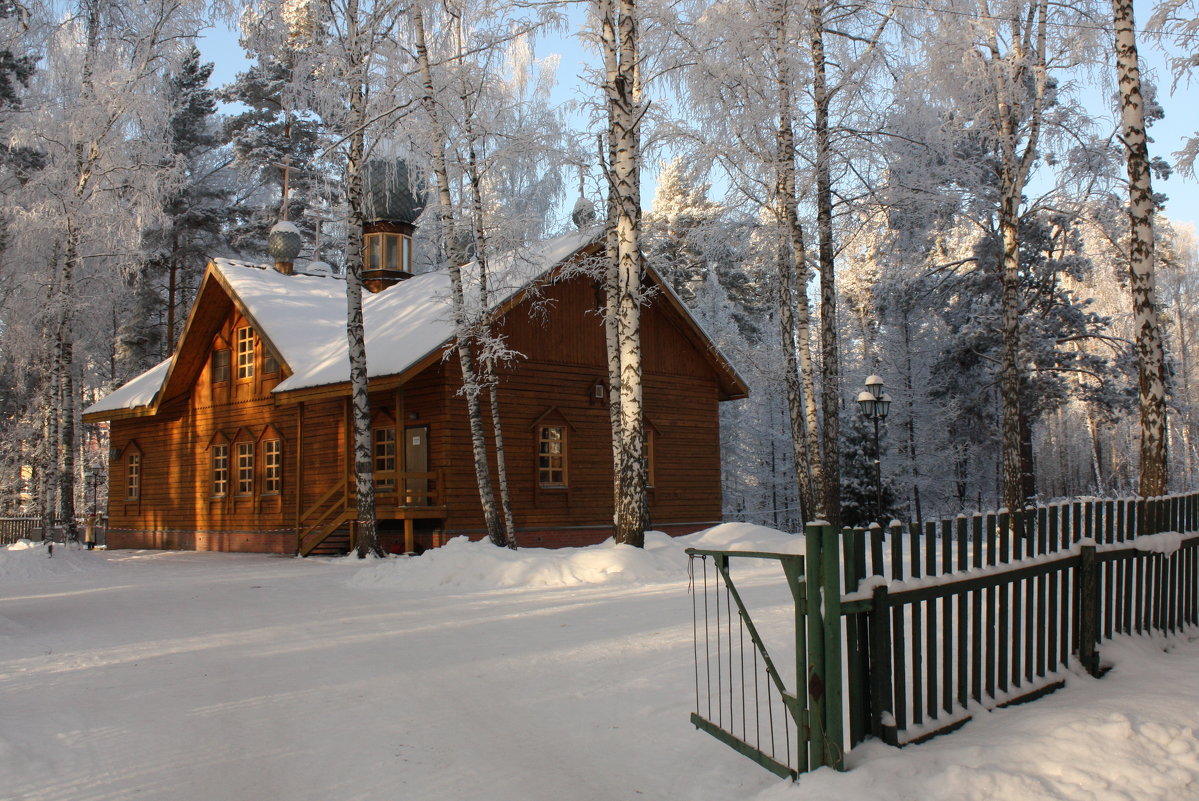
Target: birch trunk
909	388
623	94
796	332
463	329
63	446
830	362
173	293
486	362
1009	369
364	478
65	360
799	439
1184	371
611	258
1150	352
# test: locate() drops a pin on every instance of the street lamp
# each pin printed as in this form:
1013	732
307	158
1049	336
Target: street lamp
97	475
874	404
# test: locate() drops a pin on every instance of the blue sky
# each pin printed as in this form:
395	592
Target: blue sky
221	47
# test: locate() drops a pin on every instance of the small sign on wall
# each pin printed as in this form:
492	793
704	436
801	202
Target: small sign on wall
416	439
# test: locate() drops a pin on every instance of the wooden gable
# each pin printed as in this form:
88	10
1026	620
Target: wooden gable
215	316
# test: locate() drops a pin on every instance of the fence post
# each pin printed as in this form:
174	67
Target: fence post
1088	609
882	716
823	605
834	726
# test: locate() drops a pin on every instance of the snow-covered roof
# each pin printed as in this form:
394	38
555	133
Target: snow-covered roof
304	317
138	392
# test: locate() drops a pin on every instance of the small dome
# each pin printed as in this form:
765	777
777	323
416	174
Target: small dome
392	192
584	213
284	241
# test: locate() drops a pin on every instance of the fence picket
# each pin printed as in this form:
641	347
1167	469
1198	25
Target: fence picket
947	620
895	535
881	699
962	619
877	535
917	632
930	621
1003	641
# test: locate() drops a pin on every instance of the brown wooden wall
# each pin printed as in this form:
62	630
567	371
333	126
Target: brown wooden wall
561	339
565	357
176	508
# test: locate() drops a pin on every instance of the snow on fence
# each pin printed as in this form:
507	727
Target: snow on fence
944	618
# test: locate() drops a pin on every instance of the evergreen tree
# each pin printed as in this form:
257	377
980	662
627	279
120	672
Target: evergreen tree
675	227
177	249
277	128
859	484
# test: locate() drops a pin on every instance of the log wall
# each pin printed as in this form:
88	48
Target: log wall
560	337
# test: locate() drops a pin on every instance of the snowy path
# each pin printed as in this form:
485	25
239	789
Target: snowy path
190	676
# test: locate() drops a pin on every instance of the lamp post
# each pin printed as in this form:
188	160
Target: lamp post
874	404
97	475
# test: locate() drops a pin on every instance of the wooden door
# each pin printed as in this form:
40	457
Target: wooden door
416	460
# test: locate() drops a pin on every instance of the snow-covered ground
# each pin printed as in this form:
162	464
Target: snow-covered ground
476	673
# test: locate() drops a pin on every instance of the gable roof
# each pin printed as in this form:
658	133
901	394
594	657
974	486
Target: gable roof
302	319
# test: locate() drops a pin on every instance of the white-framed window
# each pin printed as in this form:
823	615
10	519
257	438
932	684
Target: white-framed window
245	468
245	353
220	470
133	476
272	466
385	455
551	456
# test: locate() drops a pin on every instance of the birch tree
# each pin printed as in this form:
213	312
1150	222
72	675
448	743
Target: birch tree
994	60
617	23
1174	26
447	229
1150	353
342	47
80	126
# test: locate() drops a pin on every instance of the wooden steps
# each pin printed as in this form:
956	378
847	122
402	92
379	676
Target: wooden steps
336	543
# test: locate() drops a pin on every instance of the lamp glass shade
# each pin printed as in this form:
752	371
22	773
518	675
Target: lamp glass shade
874	383
882	404
866	401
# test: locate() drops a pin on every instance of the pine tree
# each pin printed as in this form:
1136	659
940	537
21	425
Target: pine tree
276	129
177	249
676	227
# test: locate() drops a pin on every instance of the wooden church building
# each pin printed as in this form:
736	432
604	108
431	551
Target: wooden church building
242	439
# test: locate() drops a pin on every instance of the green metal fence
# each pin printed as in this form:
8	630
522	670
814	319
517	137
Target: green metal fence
986	610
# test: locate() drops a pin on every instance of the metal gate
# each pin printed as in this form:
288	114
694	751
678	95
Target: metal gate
783	713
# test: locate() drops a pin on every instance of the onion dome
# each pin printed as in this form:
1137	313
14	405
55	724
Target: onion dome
584	213
284	242
391	192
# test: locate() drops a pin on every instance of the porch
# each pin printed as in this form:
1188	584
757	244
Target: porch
330	526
